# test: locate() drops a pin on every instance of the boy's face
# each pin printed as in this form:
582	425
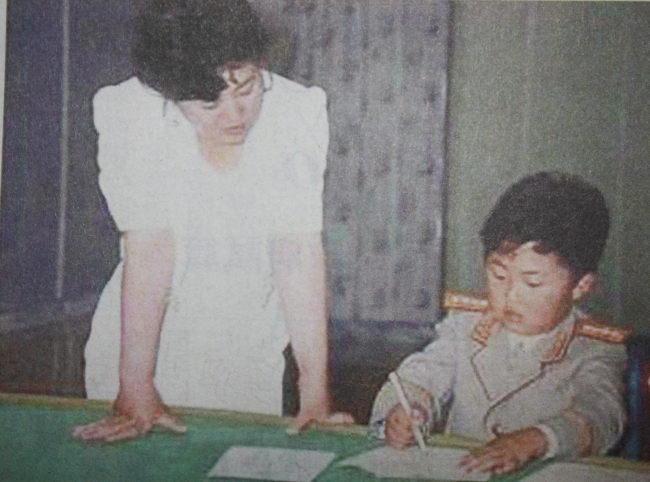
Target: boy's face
529	292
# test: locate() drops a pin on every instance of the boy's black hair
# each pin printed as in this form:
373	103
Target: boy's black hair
181	46
562	212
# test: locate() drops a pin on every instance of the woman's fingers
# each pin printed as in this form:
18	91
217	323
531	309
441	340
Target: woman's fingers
338	418
104	429
301	422
168	422
86	432
304	419
117	428
126	433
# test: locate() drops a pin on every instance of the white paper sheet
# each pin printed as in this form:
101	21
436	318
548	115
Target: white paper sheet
568	472
265	463
431	463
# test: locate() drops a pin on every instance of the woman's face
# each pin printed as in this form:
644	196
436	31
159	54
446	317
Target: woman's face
228	119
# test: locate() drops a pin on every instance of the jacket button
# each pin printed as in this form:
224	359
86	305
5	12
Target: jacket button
496	429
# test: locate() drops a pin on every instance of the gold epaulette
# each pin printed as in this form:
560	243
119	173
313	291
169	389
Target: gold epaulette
589	328
456	301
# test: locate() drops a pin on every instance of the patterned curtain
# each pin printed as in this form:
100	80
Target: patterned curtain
384	67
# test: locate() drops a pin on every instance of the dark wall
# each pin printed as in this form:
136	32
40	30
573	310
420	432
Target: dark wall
31	168
49	170
99	55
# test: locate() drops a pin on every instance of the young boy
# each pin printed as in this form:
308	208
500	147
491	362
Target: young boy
531	375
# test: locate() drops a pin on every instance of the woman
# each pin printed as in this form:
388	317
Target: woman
213	171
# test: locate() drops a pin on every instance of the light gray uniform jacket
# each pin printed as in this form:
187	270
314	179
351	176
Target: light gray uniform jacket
473	383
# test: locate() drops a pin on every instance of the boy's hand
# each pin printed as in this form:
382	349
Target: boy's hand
507	452
399	426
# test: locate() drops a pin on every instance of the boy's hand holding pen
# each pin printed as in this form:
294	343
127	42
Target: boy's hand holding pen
403	421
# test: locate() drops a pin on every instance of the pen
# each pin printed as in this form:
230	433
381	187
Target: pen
407	408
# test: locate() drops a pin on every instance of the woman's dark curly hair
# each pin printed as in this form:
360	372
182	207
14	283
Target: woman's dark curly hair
180	47
563	213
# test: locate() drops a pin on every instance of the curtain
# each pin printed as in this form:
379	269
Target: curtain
383	65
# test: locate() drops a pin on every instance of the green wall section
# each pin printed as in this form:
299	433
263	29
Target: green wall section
552	86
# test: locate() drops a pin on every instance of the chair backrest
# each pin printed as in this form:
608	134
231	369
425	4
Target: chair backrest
636	441
454	301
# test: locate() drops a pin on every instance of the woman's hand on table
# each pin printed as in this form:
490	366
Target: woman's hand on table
299	275
307	417
507	452
132	417
316	409
146	280
399	426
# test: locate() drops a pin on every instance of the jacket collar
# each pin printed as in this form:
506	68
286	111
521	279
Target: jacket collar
551	348
493	357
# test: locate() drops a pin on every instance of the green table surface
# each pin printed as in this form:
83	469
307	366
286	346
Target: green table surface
35	444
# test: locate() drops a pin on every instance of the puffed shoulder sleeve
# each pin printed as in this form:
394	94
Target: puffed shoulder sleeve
300	177
133	175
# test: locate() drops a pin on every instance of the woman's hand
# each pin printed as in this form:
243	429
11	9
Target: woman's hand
308	416
399	426
146	280
299	275
132	417
507	452
315	408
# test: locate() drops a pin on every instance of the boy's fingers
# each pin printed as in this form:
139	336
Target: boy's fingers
399	417
399	436
418	417
398	441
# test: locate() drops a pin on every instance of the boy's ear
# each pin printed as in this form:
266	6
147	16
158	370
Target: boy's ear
583	286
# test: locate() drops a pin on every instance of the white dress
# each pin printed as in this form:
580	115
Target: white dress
224	331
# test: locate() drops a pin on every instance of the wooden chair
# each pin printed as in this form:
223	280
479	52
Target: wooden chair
455	301
636	440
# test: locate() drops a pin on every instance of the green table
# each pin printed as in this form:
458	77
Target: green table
35	444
